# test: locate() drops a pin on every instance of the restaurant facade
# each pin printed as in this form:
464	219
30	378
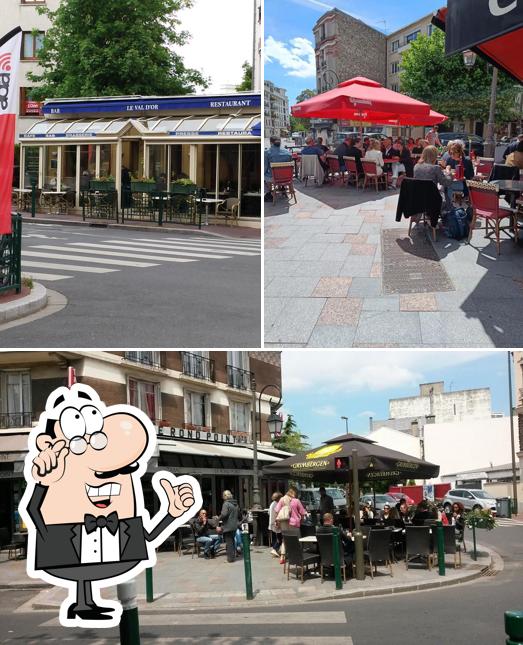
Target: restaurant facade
212	140
200	402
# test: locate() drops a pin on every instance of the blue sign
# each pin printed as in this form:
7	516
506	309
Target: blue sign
127	106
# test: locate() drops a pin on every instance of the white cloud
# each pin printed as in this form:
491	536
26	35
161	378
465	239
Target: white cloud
325	411
355	370
314	4
296	56
367	413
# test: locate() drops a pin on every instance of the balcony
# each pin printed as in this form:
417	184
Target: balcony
197	366
520	393
16	420
238	378
147	359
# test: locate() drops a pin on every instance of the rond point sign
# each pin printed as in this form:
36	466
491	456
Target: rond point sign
9	67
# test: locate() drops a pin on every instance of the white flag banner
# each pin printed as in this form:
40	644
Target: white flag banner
10	45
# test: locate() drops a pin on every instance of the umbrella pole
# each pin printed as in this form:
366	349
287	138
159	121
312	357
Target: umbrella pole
358	538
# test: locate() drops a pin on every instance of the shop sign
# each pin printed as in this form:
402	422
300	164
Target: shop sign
32	107
202	434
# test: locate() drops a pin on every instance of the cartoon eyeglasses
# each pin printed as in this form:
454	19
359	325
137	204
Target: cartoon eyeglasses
83	427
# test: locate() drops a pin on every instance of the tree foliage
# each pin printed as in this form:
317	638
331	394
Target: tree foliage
302	125
291	439
246	85
114	47
449	87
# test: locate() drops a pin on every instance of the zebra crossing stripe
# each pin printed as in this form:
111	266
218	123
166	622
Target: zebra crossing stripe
52	277
113	253
62	256
139	247
67	267
214	240
193	246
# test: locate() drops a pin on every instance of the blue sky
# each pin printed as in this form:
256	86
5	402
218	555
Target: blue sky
321	386
289	49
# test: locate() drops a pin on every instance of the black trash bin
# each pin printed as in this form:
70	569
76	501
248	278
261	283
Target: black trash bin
503	507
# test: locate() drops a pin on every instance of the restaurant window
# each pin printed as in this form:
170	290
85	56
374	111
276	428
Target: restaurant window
69	168
87	165
197	407
250	180
31	44
144	395
107	160
158	164
206	173
228	171
411	37
180	156
239	416
15	404
50	167
28	106
31	165
395	45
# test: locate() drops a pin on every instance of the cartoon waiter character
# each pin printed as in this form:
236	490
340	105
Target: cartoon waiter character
83	505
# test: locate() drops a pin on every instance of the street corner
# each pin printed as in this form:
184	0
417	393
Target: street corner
33	297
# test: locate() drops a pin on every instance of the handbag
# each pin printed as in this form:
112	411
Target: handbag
284	513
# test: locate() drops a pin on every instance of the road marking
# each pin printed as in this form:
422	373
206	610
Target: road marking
47	276
69	267
230	249
61	256
111	253
206	240
156	251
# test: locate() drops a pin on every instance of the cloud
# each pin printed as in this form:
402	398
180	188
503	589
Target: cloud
325	411
367	413
355	370
296	56
314	4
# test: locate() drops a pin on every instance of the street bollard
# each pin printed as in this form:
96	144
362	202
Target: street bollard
247	561
514	627
149	584
33	197
129	623
336	556
441	548
160	211
474	551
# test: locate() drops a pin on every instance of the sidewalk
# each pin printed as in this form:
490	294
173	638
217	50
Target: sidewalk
185	582
341	272
215	230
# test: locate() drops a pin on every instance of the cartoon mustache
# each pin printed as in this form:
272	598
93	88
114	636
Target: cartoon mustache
125	470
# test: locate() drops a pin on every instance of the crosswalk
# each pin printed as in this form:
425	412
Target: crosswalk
49	261
506	521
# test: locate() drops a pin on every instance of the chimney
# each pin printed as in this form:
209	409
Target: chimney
414	428
430	418
371	424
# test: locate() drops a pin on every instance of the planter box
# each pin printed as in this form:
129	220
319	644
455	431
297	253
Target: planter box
143	187
180	189
102	185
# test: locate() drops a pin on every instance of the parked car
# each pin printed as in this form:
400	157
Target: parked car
381	500
471	498
399	496
476	141
310	498
376	135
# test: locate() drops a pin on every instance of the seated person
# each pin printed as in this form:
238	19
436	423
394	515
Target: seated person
516	158
346	540
428	169
205	531
512	147
374	154
420	145
354	151
405	158
387	515
366	513
403	511
322	146
342	150
312	148
458	158
274	154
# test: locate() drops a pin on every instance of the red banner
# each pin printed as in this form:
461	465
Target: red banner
9	65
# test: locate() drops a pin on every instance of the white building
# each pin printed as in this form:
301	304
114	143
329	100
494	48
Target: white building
257	68
276	111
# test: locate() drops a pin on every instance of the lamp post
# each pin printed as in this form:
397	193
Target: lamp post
346	419
512	440
469	59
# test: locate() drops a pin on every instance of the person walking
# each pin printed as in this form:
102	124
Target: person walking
274	525
229	519
289	513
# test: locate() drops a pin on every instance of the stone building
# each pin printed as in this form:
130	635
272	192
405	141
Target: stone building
398	42
276	111
201	404
517	358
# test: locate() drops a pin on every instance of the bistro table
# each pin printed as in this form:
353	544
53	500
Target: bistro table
23	201
511	186
54	200
207	201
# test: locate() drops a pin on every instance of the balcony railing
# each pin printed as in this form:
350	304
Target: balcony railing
521	396
150	359
197	366
238	378
15	420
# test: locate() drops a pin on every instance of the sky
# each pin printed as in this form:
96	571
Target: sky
289	43
320	386
221	39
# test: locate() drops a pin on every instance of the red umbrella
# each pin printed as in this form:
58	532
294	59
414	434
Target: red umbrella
360	99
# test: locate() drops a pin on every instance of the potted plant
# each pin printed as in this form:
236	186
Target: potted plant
143	185
183	187
481	519
103	183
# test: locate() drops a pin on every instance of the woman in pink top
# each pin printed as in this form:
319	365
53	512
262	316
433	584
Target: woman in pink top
296	513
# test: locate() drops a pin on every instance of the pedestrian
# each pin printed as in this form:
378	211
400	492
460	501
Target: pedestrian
126	187
326	503
289	513
229	523
206	535
274	525
433	137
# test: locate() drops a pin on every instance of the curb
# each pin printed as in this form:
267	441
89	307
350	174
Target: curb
136	227
26	306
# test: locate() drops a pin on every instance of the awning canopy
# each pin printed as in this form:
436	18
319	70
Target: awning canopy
492	29
211	450
361	99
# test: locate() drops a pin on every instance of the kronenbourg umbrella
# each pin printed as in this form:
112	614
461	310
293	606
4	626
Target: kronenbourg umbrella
332	462
361	99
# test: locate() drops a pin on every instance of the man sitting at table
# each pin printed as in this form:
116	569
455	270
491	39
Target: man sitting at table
206	535
346	540
512	147
312	148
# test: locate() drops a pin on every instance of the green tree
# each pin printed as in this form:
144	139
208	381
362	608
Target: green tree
449	87
302	125
114	47
246	84
291	439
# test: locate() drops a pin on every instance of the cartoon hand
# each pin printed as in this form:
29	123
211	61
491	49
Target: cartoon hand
181	498
49	465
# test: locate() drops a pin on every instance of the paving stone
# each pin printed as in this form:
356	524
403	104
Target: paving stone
357	266
381	303
276	268
274	242
389	328
365	287
332	336
363	249
296	321
418	302
353	238
319	269
376	270
453	329
341	311
272	308
291	287
332	287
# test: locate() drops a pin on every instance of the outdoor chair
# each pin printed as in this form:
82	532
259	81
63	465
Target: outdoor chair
353	176
229	210
187	540
421	195
502	171
484	167
283	179
296	556
370	168
326	549
307	529
311	167
417	545
378	549
451	544
335	172
365	530
485	204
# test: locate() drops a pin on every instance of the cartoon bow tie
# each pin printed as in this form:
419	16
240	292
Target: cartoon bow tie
91	522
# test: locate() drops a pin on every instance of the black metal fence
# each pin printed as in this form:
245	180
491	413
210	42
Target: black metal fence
10	257
15	420
238	378
198	366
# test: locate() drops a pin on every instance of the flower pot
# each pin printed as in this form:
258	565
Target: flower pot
143	187
183	189
97	184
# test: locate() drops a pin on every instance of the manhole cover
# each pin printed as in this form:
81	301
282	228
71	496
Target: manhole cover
411	265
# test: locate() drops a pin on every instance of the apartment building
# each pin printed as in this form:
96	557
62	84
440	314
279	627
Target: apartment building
398	42
276	111
517	358
201	404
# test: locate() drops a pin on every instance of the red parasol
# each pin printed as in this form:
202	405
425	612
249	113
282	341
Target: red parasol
361	99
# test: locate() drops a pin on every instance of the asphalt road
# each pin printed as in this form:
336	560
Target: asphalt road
141	289
469	613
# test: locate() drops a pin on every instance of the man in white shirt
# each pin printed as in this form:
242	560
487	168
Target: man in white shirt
433	137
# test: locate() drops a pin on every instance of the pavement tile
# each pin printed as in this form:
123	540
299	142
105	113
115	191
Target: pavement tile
337	252
389	328
341	311
373	218
295	322
319	269
332	287
275	268
332	336
365	287
274	242
453	329
363	249
376	270
381	303
357	266
290	286
418	302
272	309
353	238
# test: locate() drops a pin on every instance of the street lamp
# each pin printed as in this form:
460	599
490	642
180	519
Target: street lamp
469	58
346	419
